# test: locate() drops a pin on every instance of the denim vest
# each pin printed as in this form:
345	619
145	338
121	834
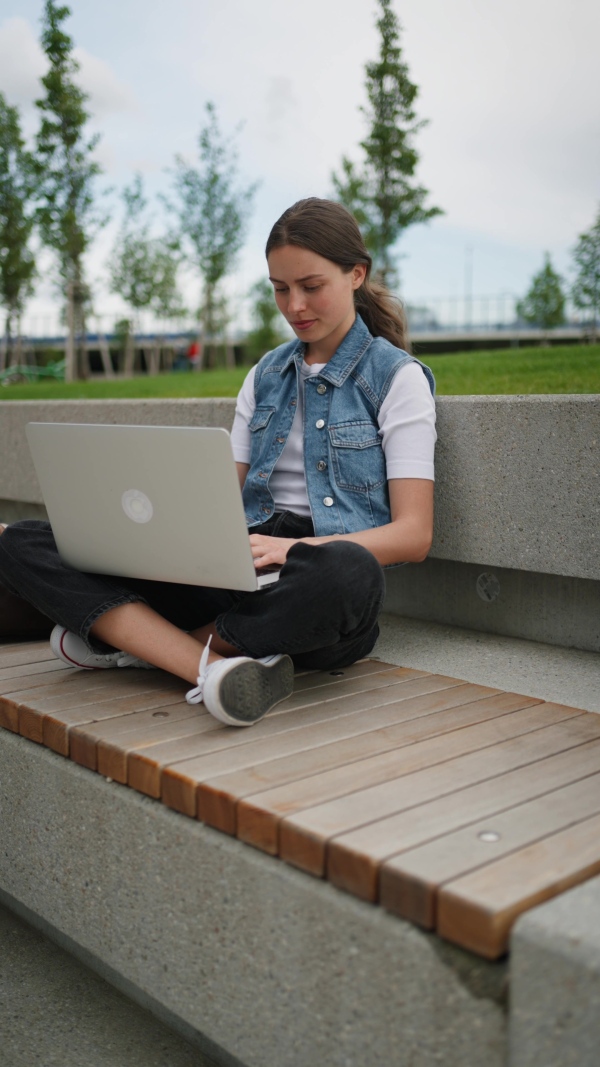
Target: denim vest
344	462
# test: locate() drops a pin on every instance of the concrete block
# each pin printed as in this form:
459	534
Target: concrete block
18	479
277	968
518	482
555	982
518	477
55	1012
552	608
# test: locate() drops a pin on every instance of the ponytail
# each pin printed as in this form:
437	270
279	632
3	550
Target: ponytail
331	231
383	313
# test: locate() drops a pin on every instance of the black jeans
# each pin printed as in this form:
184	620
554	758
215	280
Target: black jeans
323	610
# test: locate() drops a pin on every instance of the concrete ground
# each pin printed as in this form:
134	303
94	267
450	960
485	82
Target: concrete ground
565	675
54	1012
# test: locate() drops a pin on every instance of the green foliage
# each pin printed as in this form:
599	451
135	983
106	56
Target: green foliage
544	303
381	194
586	255
64	166
17	262
265	335
212	212
143	269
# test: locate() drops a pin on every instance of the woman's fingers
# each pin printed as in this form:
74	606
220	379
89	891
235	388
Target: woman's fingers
267	551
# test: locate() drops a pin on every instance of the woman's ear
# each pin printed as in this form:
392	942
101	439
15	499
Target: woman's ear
359	273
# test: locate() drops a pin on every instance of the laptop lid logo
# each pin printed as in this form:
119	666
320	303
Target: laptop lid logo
137	506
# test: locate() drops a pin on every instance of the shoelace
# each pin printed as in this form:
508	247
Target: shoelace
194	696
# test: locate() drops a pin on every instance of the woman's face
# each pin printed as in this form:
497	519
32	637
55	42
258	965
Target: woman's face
315	296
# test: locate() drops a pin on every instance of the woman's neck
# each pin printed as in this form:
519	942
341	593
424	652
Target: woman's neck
324	350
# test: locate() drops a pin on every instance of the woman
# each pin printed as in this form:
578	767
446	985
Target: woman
333	438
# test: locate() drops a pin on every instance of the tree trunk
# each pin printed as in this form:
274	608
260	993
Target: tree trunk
70	370
105	354
153	358
129	354
202	321
5	343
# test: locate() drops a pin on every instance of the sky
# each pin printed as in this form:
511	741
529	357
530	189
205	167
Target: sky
510	90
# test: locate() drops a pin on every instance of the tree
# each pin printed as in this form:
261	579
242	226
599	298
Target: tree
544	303
213	216
265	334
66	174
17	262
143	269
586	288
380	194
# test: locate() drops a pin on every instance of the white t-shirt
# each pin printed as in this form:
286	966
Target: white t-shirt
406	425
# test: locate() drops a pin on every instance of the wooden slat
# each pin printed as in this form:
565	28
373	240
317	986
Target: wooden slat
417	720
304	836
259	815
420	872
7	647
9	715
84	740
57	727
34	720
145	768
355	858
8	674
21	655
478	911
309	727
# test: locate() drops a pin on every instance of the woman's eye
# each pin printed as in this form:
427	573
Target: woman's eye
280	290
312	288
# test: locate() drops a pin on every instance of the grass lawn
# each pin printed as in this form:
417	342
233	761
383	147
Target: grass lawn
568	369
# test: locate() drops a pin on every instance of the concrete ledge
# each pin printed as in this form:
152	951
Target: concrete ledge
555	1017
276	968
552	608
518	477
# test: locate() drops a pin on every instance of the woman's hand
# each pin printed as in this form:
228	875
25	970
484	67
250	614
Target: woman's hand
270	551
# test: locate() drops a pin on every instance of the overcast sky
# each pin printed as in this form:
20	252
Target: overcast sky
511	89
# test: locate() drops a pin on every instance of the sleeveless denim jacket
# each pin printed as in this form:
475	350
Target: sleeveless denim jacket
343	455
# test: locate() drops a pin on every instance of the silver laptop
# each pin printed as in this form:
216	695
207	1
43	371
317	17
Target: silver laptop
159	502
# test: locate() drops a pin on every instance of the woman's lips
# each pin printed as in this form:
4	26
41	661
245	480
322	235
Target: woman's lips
304	325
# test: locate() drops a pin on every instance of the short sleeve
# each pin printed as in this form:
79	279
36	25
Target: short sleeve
407	425
244	410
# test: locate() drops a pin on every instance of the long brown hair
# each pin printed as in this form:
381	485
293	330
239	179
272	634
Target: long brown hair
331	231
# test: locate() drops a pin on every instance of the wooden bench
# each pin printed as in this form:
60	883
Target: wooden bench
454	805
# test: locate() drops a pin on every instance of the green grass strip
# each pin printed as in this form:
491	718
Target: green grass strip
509	371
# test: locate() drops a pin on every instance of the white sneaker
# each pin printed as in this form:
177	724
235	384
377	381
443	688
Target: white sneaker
240	690
73	651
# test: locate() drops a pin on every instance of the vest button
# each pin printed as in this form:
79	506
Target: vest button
328	501
320	424
321	465
321	388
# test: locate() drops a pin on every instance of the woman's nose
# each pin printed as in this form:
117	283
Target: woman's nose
296	300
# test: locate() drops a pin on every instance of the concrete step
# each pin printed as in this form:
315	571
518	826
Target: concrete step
54	1012
565	675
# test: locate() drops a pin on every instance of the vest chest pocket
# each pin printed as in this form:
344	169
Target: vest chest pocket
260	419
357	456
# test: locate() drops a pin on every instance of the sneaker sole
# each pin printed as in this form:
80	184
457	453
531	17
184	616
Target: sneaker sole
249	691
